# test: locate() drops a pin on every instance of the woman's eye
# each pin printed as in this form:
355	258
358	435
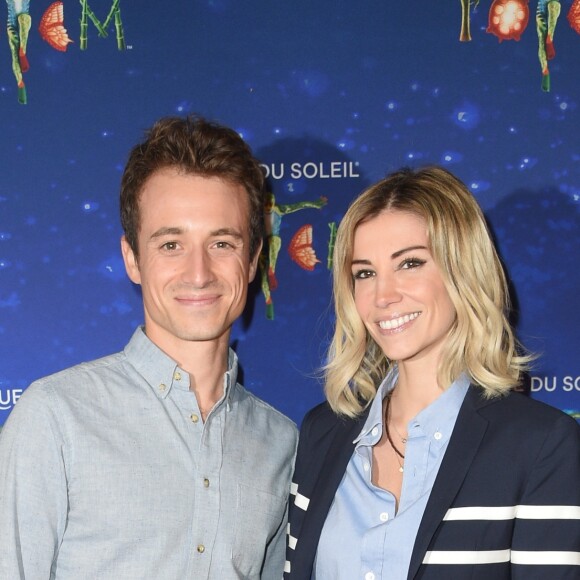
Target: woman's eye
362	274
410	263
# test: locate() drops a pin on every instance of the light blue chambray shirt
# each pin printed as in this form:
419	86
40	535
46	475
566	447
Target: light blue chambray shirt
363	538
108	472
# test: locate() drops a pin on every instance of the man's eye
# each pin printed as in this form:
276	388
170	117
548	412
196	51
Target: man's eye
362	274
222	245
170	246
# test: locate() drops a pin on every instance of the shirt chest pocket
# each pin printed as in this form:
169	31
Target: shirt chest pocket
259	515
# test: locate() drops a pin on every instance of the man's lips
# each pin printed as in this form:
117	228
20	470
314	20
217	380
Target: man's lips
206	300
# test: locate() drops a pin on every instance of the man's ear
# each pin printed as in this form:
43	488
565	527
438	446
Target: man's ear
254	263
131	264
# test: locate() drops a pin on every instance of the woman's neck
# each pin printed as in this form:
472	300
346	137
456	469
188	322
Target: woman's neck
417	387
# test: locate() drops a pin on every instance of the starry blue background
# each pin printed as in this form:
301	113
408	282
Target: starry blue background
375	84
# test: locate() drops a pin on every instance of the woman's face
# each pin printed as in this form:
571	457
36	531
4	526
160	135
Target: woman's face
398	289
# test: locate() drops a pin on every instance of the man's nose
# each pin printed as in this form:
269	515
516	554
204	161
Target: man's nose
197	269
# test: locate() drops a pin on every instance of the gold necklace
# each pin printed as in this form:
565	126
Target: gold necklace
403	439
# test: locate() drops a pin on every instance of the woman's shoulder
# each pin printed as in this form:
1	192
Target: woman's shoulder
322	427
322	418
320	413
519	409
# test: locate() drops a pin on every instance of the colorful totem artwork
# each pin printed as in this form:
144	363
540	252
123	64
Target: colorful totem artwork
547	15
53	31
18	27
300	248
508	19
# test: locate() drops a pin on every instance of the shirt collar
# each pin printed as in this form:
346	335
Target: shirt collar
375	416
437	420
230	378
163	373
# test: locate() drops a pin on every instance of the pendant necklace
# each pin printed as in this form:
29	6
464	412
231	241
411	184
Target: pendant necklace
403	439
398	455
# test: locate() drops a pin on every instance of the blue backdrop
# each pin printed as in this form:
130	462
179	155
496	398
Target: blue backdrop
331	96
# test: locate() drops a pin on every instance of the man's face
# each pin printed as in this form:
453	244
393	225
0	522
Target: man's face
194	265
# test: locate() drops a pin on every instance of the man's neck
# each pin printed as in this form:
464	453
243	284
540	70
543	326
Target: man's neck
206	368
205	362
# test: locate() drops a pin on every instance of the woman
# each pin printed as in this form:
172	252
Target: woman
424	463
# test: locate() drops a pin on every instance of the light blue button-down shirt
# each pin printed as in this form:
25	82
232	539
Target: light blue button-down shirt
363	537
108	472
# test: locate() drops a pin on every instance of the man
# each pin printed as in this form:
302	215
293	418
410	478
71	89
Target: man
154	462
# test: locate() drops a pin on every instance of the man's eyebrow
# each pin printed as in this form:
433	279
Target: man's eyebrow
175	231
166	231
227	232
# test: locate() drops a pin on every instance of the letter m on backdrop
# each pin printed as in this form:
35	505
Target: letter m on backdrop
114	13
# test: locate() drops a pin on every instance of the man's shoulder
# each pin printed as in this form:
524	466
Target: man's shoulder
92	367
75	377
52	400
262	409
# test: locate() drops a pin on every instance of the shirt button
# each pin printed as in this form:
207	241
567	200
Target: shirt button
384	516
177	376
437	435
375	431
162	387
206	482
201	548
369	576
194	418
366	466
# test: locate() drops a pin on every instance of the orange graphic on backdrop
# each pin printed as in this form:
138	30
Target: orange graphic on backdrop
52	28
508	19
301	250
574	16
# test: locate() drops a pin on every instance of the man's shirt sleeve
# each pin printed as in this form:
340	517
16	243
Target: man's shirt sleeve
33	496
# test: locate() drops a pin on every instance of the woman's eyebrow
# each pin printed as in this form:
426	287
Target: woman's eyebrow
409	249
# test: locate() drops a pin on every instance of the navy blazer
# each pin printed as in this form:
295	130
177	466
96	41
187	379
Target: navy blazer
505	503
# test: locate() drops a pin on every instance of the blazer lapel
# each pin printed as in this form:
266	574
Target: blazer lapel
338	454
463	445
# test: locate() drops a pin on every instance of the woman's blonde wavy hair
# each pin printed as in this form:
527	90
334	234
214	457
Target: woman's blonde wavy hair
481	342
